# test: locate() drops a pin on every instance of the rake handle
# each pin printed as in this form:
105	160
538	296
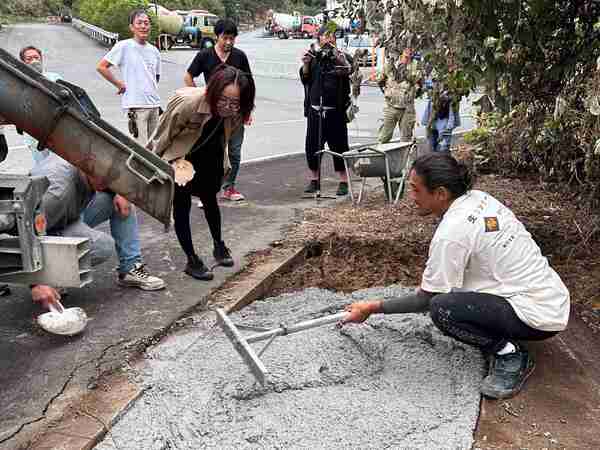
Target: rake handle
289	329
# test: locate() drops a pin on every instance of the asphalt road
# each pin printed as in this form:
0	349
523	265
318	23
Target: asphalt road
279	126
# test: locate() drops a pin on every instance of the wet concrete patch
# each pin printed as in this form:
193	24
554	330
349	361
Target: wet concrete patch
393	382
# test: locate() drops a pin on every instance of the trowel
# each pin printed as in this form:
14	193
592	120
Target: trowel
63	321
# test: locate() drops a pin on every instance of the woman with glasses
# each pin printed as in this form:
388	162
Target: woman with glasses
192	135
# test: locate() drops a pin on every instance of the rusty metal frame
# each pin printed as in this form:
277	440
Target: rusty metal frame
55	113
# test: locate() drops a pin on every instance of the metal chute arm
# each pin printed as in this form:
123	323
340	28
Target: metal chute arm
63	118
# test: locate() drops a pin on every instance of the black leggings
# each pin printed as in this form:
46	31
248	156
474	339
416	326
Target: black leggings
182	204
484	320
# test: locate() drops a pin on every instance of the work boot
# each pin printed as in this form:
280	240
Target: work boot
507	374
312	187
222	255
342	188
196	269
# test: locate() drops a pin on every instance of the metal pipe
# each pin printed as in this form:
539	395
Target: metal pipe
283	330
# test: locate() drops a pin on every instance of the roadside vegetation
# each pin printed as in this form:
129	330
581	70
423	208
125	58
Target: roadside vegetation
109	14
538	61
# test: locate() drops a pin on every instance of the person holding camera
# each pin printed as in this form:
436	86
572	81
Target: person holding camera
400	82
325	74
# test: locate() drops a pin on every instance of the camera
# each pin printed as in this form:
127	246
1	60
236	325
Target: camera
325	53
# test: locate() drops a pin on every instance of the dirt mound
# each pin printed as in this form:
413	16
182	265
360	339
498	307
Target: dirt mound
376	245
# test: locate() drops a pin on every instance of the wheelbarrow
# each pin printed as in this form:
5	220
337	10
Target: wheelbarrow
391	162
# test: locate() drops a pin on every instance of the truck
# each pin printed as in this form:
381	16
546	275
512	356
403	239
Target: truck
195	28
285	26
63	118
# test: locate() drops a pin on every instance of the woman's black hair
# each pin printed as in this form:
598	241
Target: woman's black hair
442	170
222	77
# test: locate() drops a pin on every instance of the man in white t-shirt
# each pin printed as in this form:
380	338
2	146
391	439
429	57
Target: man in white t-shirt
486	282
139	64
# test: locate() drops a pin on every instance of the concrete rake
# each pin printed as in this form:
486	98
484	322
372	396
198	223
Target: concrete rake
242	343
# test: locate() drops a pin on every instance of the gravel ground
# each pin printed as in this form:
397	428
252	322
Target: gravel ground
393	382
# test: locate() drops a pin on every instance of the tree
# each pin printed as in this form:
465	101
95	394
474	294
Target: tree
536	59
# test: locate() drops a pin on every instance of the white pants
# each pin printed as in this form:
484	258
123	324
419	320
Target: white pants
147	120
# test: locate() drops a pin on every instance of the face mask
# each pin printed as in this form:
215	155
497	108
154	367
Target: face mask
37	65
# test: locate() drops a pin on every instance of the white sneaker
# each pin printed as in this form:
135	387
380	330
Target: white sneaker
200	204
140	278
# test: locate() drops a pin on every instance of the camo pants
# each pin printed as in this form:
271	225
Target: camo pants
404	118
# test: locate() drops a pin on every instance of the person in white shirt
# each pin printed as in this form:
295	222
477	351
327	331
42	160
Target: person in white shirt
486	282
139	64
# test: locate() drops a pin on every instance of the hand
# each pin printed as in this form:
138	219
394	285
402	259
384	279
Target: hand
47	297
360	311
122	205
249	121
341	59
121	88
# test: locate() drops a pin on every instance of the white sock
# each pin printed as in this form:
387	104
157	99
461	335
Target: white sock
508	348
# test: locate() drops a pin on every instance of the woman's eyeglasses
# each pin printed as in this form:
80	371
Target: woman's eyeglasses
229	103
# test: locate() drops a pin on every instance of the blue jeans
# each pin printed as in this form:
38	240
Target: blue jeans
235	156
124	232
440	143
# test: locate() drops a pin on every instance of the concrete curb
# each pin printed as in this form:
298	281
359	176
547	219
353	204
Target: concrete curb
96	412
259	283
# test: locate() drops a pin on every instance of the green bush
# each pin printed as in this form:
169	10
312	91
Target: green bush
113	15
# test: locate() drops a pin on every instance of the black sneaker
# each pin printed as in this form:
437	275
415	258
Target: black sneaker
222	255
342	188
196	269
312	187
507	374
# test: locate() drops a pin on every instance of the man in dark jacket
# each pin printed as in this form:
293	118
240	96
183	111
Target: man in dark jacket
325	74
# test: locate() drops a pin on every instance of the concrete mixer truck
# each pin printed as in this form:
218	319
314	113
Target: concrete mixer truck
285	26
195	29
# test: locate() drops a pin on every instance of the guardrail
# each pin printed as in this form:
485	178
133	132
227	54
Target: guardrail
104	37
